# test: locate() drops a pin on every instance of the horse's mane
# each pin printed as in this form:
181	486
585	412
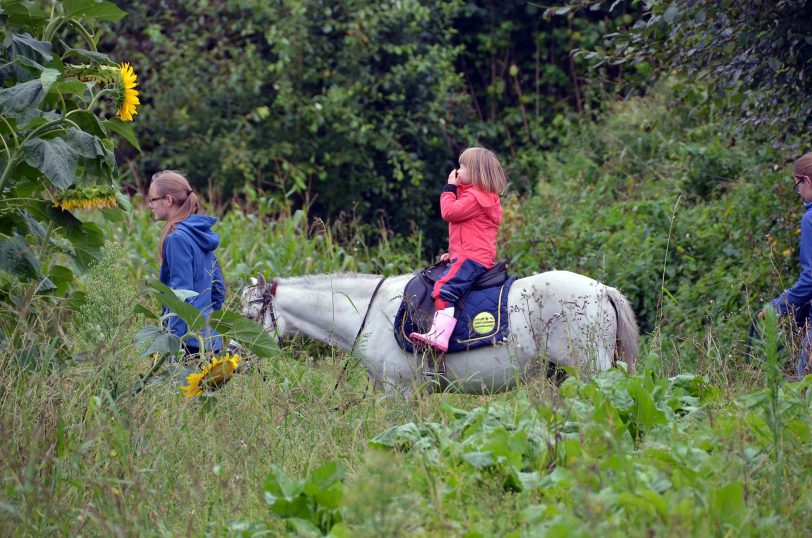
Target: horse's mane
321	277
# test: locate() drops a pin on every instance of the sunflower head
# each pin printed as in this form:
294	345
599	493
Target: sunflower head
212	377
97	197
125	94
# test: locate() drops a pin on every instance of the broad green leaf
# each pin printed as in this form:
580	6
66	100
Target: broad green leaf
23	14
247	332
278	485
188	313
727	504
21	101
48	78
26	45
125	130
53	157
158	341
145	312
86	55
88	121
17	258
62	277
84	144
104	11
72	87
165	343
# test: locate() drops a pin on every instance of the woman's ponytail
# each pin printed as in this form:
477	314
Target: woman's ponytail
170	182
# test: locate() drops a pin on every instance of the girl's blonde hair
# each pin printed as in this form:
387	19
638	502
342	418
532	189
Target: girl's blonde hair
484	169
171	182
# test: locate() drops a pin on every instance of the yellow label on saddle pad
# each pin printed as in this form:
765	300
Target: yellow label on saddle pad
483	323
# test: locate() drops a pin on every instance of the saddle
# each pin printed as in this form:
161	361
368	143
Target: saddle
488	294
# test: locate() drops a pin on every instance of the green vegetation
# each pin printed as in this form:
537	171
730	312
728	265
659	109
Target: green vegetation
327	132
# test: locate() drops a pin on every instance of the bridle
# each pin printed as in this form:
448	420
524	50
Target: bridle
266	306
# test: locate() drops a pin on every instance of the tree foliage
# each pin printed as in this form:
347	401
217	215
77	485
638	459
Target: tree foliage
756	54
346	107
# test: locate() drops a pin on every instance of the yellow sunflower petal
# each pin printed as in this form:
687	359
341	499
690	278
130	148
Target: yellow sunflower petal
127	106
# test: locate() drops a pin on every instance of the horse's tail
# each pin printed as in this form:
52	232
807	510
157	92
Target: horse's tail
627	331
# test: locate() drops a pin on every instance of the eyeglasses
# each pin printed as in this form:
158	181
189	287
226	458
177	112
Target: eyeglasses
798	181
154	199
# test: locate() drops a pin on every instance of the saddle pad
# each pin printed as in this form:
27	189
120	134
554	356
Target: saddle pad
482	318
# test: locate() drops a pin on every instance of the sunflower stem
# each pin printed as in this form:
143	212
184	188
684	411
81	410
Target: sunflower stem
96	98
82	30
146	377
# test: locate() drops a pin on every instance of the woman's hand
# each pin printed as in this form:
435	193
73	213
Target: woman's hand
445	257
452	177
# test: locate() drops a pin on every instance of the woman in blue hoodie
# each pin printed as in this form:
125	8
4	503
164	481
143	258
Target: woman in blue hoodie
796	300
186	254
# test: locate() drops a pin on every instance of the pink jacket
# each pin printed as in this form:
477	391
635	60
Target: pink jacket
473	217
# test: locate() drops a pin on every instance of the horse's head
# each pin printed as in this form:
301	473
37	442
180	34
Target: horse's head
257	303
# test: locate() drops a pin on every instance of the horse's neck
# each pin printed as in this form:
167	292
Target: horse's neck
329	308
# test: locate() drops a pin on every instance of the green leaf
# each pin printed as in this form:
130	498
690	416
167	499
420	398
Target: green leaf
84	144
149	314
188	313
159	341
125	130
104	11
86	55
21	101
247	332
17	258
25	45
727	504
47	78
62	277
72	87
88	121
54	157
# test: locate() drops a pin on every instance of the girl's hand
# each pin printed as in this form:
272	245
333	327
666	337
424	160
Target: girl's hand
445	256
452	177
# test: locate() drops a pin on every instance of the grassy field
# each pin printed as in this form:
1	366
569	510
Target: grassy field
698	443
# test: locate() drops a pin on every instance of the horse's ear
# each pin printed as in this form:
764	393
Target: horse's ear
260	283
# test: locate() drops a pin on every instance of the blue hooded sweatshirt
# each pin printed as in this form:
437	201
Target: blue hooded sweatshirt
189	263
801	292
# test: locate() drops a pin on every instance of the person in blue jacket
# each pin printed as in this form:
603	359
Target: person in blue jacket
186	254
796	300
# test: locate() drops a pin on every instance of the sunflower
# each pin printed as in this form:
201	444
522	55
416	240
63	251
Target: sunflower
86	198
212	377
126	94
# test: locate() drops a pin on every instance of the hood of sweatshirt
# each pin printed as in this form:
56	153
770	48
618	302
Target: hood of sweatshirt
489	201
198	228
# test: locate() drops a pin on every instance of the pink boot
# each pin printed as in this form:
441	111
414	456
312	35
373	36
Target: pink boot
440	332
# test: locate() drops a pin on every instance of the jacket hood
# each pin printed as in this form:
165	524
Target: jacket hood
198	228
488	201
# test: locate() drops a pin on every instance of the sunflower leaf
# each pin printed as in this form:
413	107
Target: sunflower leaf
103	11
54	157
123	129
21	101
188	313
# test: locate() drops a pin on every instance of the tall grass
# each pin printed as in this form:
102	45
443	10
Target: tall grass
718	452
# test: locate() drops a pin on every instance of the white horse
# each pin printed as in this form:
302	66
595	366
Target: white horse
557	317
